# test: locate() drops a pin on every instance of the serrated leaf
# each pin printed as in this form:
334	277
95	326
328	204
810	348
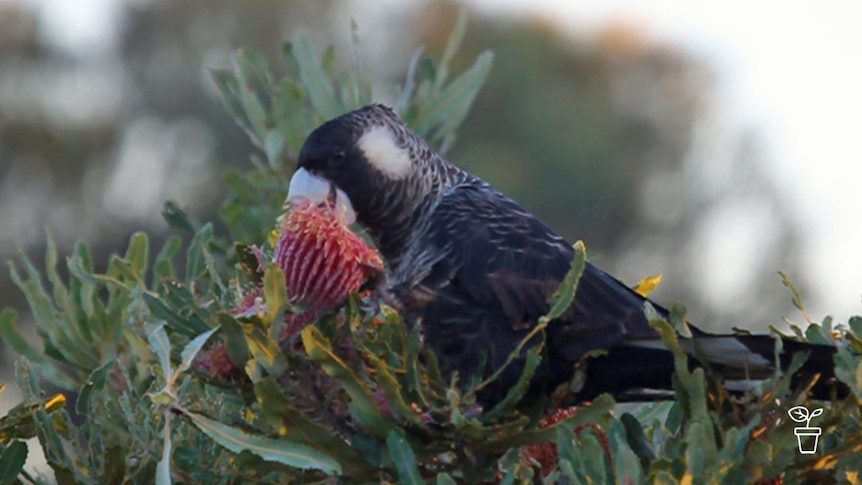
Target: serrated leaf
647	284
192	348
12	461
291	454
562	298
403	457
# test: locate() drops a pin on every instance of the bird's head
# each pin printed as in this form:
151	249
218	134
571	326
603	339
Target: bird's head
369	162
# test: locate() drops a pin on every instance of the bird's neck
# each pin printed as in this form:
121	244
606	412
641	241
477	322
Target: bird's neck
401	212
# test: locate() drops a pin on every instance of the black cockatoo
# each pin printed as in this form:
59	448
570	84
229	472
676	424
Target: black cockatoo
476	270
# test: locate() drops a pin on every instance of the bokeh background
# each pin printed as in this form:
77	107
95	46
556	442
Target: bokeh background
715	143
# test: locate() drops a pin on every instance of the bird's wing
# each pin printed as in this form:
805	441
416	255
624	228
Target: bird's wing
496	265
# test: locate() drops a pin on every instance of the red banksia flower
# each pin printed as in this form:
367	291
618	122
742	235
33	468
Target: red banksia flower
545	452
322	259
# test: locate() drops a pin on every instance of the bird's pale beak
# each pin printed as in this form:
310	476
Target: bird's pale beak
318	190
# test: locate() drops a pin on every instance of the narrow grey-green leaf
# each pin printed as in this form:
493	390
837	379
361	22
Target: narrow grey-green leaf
12	461
403	457
562	298
192	348
94	383
274	292
161	345
452	45
163	469
137	254
314	80
196	263
292	454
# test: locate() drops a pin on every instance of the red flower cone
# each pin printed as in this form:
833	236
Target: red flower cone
322	259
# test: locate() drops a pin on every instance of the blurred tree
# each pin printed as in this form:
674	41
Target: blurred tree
598	136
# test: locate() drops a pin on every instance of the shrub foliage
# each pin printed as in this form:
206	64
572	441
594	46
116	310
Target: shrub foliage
185	375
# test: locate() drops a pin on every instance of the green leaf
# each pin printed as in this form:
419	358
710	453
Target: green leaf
291	454
274	293
95	383
46	426
591	413
562	298
163	469
12	462
234	338
192	348
403	457
445	479
637	440
318	86
161	346
796	297
176	217
514	394
196	260
266	351
362	402
163	268
137	254
362	86
452	45
627	467
277	408
253	66
227	84
188	326
12	336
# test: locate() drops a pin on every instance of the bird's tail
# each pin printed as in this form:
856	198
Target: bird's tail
640	370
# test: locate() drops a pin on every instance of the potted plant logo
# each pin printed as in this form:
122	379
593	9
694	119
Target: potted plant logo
801	414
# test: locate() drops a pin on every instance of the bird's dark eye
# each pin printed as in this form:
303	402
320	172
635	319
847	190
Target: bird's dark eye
339	154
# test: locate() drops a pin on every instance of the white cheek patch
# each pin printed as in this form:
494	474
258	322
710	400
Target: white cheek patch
383	153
